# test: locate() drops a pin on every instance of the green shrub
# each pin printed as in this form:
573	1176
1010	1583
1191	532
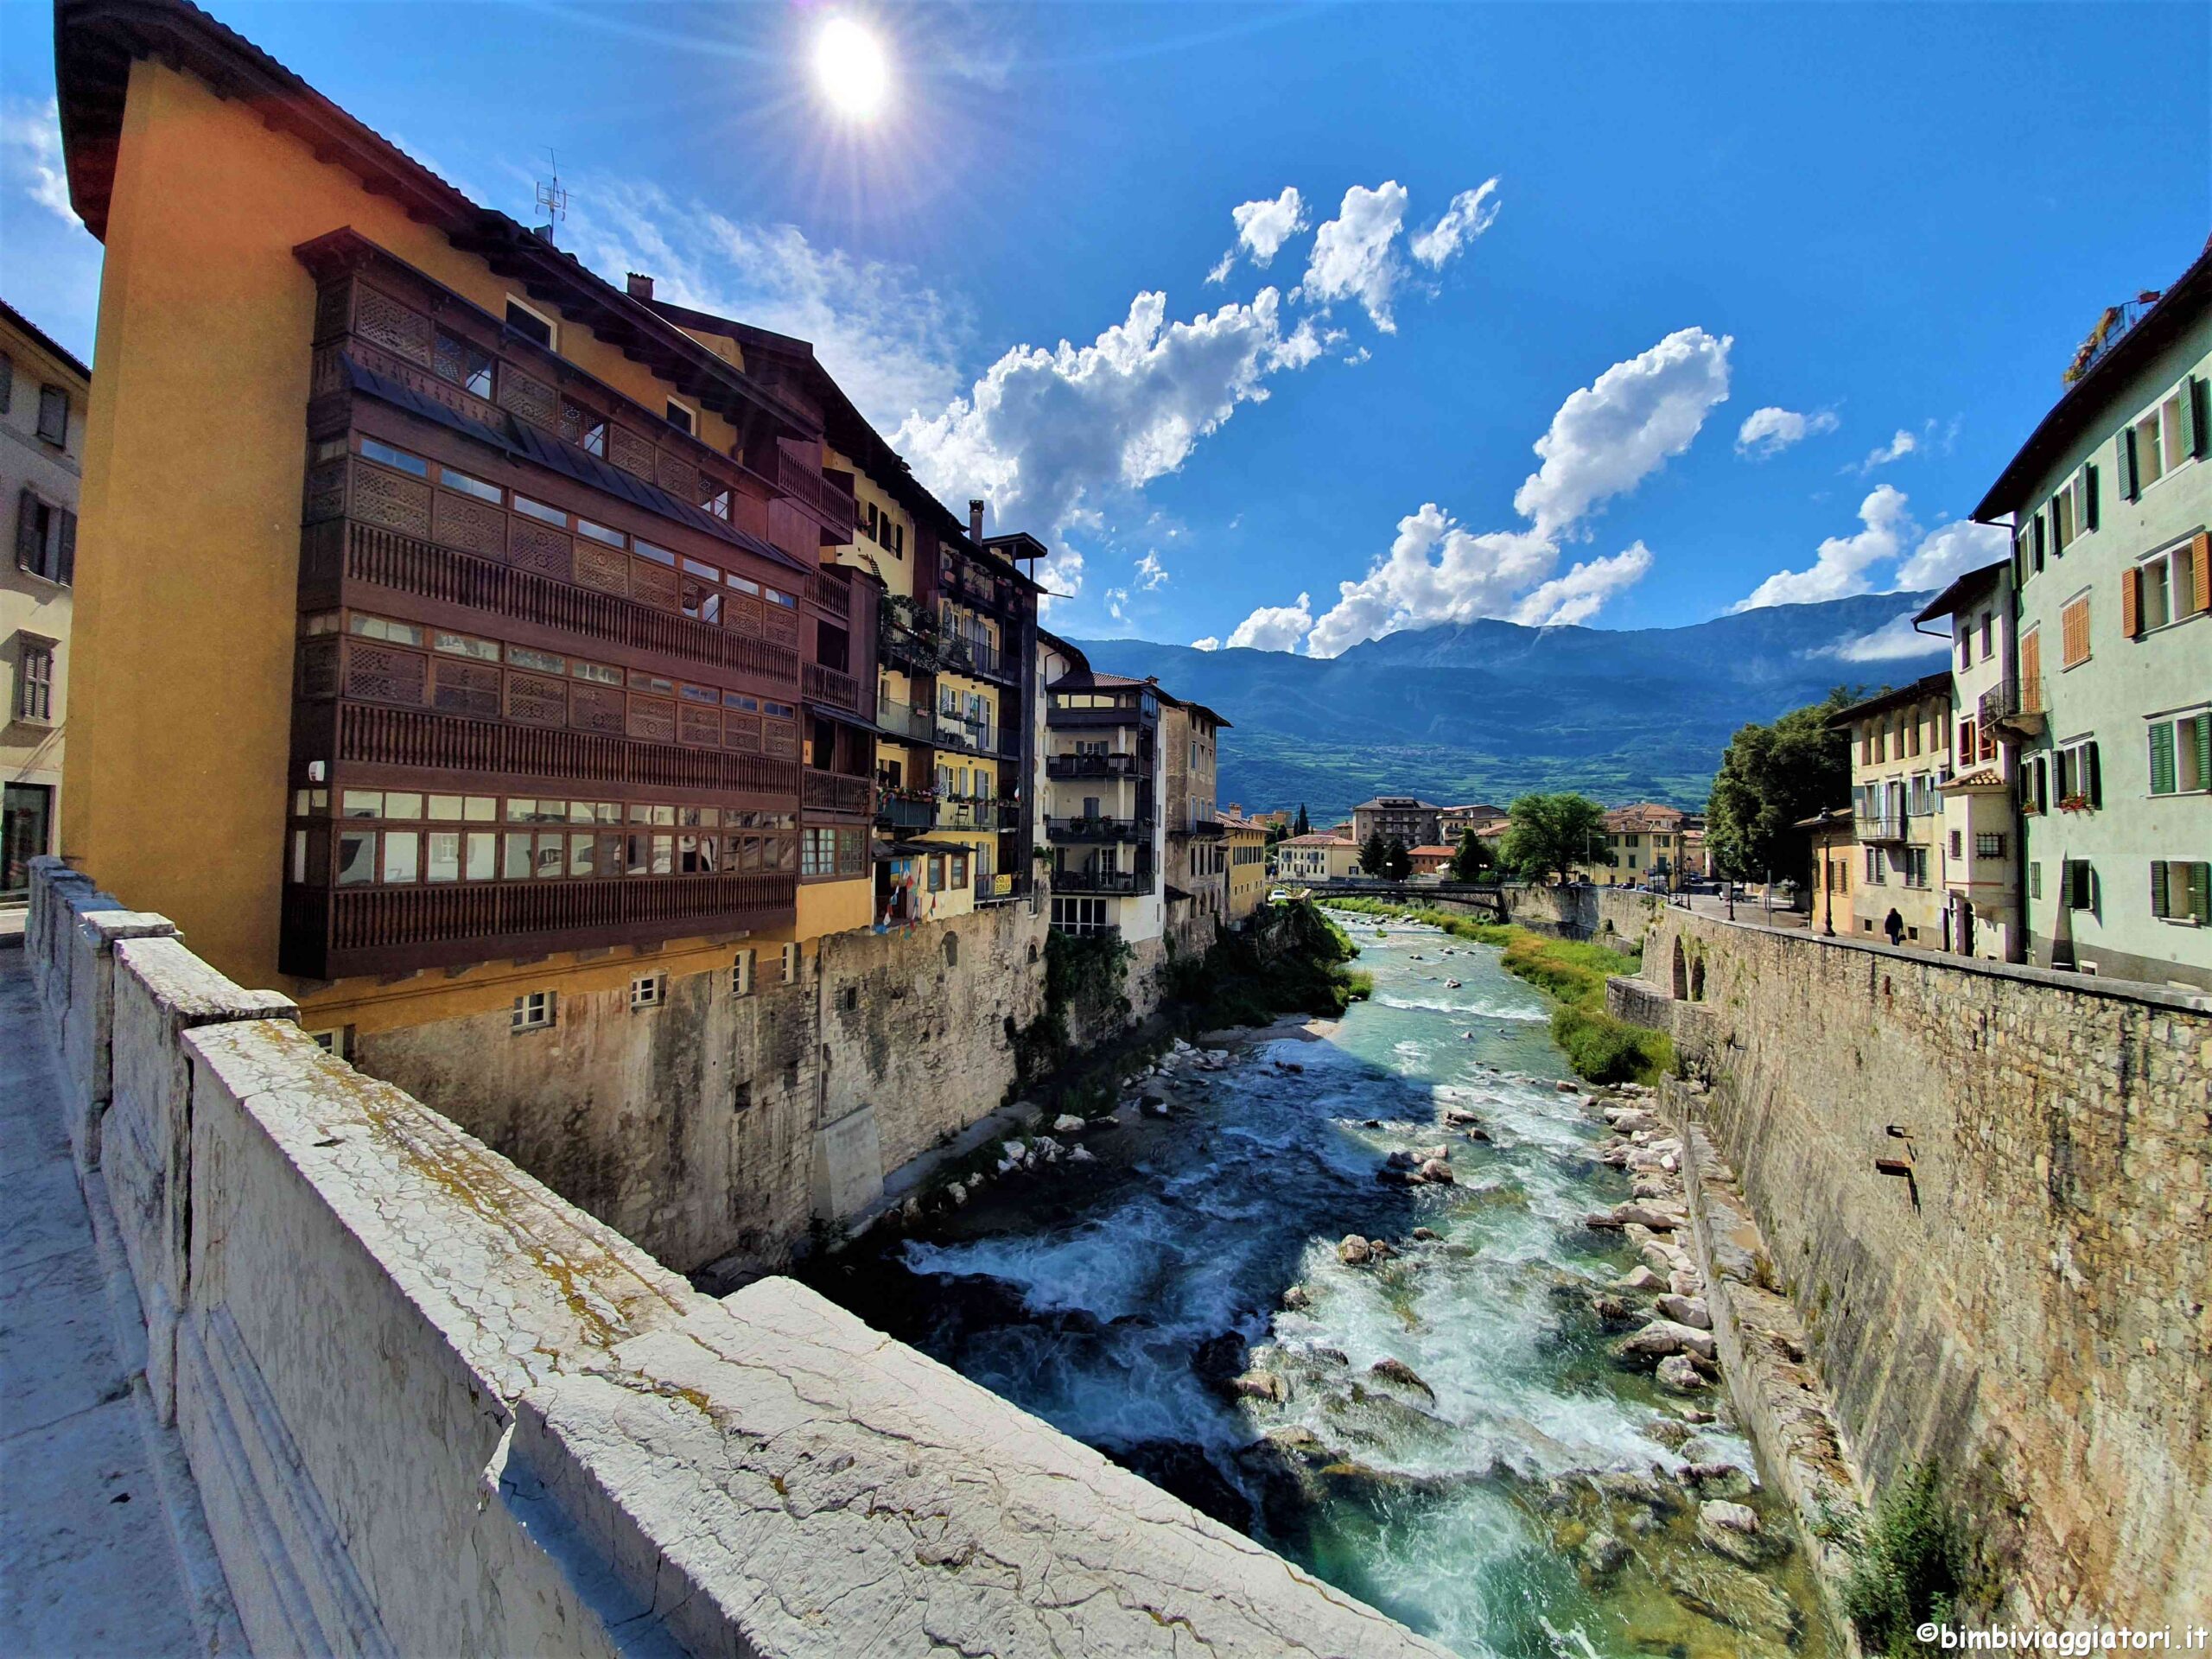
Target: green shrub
1908	1561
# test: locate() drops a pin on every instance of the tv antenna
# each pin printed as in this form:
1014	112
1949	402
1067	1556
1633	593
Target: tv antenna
552	200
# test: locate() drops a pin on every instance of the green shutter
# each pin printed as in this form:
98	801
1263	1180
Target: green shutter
2088	498
2162	759
2124	460
2094	786
2158	903
2200	892
2191	429
2203	723
2197	411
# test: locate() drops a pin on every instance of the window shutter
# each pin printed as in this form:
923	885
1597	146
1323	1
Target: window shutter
2094	782
2198	407
2124	461
2158	888
2162	759
65	561
2043	786
2200	892
2088	498
2038	534
2204	750
28	553
2200	570
2031	671
2131	602
2192	419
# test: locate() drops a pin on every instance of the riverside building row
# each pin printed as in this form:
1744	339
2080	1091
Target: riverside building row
2047	798
553	636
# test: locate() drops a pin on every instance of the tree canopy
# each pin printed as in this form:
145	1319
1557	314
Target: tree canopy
1470	859
1549	833
1397	862
1770	778
1304	827
1374	854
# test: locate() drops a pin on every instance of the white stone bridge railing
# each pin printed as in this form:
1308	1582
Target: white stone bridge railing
431	1408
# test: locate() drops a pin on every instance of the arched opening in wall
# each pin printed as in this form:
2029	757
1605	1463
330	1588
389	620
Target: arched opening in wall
1033	953
952	950
1681	973
1697	980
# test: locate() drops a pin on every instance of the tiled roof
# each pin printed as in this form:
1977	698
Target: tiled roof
1320	840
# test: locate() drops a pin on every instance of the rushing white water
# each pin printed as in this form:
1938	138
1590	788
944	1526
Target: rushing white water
1086	1304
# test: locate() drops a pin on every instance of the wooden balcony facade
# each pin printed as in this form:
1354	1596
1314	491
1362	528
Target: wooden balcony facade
528	601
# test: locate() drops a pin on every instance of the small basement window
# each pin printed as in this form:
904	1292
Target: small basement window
648	991
532	1011
681	417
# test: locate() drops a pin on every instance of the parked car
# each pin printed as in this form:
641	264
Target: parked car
1279	896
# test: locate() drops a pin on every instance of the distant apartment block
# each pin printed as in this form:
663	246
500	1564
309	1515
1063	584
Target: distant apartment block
1981	827
1399	817
44	393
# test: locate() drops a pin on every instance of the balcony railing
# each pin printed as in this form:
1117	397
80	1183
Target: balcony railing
971	586
1088	930
1104	881
1090	766
901	719
1204	829
381	559
1137	831
894	813
2015	703
833	791
1879	826
972	657
801	479
1002	889
832	686
832	594
1058	717
970	815
418	739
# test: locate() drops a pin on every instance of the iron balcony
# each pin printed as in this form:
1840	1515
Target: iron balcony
1090	766
1098	829
1125	882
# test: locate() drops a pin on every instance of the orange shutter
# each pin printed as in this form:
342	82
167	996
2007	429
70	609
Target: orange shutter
2131	602
2074	634
2200	562
2031	671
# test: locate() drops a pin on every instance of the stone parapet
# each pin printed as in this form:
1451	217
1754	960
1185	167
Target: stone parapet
432	1407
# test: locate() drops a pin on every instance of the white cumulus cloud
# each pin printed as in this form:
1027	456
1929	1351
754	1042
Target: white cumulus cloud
1950	550
1262	227
1059	573
1472	212
1770	430
1614	433
1896	640
1896	449
1044	435
1606	439
1355	255
1150	572
1274	627
30	154
1210	643
1842	564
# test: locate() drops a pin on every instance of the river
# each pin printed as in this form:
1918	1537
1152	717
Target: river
1113	1299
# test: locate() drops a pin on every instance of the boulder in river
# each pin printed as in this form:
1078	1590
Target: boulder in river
1354	1251
1603	1555
1068	1123
1644	1215
1732	1530
1679	1374
1686	1310
1396	1370
1610	1310
1437	1171
1662	1338
1297	1298
1259	1385
1640	1279
1217	1361
1716	1479
1740	1601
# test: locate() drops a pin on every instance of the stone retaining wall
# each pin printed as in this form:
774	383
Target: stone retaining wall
1985	1189
431	1407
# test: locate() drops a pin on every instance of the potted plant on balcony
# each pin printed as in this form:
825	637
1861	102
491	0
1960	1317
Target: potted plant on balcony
2075	804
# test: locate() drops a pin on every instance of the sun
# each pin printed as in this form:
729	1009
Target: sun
850	68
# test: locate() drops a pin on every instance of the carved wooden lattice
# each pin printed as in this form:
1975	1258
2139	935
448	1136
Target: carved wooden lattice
537	699
654	585
743	616
782	739
652	719
678	477
387	499
572	418
595	708
319	670
476	526
527	397
741	732
783	624
538	547
467	688
630	452
333	302
325	495
452	359
607	569
380	673
700	726
397	327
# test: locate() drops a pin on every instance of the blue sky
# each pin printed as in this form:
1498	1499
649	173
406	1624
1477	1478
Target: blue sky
1875	235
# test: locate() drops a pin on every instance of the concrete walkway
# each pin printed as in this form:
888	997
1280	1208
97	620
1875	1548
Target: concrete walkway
103	1547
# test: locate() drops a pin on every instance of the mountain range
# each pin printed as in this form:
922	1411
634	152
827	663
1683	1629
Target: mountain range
1484	710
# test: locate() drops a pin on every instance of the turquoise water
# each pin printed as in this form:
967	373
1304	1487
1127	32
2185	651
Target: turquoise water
1087	1299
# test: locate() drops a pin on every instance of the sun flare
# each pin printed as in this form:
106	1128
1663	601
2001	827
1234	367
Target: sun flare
850	68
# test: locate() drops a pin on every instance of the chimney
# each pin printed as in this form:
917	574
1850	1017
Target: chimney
641	287
975	519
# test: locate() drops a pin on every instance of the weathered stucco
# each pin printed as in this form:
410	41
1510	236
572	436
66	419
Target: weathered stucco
2030	1305
431	1407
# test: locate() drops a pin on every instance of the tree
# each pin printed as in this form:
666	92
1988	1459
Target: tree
1278	832
1397	862
1470	858
1551	833
1770	778
1304	827
1374	853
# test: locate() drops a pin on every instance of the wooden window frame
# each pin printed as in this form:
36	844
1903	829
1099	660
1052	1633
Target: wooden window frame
534	1010
552	340
34	701
50	395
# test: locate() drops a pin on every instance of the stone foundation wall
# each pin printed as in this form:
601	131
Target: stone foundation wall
431	1407
715	1129
2026	1296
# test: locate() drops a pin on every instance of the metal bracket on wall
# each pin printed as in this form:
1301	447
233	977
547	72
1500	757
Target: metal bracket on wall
1903	1166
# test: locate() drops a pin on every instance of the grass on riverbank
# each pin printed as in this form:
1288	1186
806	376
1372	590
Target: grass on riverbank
1600	1047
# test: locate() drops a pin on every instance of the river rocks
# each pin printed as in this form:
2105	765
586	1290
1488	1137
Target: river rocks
1663	1338
1459	1116
1425	1235
1297	1298
1396	1370
1068	1123
1436	1170
1260	1385
1738	1599
957	1191
1603	1555
1602	1221
1610	1310
1639	1279
1669	1431
1627	1120
1684	1281
1644	1215
1717	1480
1082	1155
1732	1530
1650	1189
1631	1486
1686	1310
1153	1106
1564	1087
1217	1361
1355	1251
1680	1375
